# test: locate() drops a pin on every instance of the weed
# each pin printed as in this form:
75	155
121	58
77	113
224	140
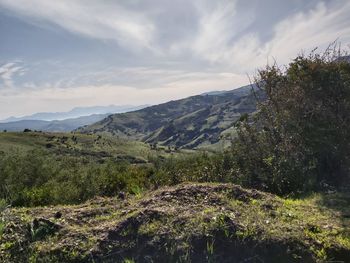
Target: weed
150	228
210	247
7	245
2	227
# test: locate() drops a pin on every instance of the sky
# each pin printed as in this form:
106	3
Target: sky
57	55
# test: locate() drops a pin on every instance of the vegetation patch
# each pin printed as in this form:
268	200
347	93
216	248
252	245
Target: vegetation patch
189	222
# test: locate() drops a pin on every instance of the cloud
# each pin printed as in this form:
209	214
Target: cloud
219	33
95	19
8	71
219	24
315	28
304	30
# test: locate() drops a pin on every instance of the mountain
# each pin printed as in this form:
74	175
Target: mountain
76	112
192	122
216	92
52	126
343	59
347	58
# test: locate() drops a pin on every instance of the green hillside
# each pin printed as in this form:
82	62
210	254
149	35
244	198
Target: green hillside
192	122
78	145
73	144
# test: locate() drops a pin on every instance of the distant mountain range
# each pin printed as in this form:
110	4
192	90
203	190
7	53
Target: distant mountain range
52	126
64	121
192	122
76	113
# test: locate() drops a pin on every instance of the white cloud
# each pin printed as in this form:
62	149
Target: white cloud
316	28
96	19
302	31
221	35
8	71
219	24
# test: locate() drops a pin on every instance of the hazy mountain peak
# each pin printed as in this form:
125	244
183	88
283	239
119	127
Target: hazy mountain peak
76	113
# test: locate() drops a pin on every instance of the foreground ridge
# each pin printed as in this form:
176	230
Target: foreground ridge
187	223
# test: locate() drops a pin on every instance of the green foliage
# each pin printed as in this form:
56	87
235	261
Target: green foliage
300	137
3	205
2	227
41	231
200	167
36	178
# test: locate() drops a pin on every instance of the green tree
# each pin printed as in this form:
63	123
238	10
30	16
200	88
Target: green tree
300	137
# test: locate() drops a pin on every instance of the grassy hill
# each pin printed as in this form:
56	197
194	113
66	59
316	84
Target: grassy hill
79	145
192	122
186	223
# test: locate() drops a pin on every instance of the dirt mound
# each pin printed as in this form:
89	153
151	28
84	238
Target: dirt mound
186	223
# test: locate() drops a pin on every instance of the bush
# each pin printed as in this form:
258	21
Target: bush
38	178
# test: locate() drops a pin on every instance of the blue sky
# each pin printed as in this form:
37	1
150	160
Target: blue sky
56	55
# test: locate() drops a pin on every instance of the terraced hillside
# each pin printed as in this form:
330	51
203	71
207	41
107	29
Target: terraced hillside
192	122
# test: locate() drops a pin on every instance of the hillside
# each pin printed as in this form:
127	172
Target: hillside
186	223
192	122
78	145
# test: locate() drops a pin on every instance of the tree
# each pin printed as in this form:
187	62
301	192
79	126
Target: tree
300	137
